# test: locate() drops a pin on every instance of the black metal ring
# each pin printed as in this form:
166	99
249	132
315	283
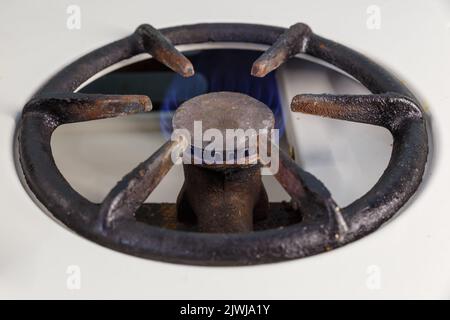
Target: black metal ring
398	183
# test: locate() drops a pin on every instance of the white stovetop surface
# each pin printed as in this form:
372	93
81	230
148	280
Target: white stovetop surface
409	257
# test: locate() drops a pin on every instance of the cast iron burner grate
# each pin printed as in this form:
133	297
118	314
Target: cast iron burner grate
228	221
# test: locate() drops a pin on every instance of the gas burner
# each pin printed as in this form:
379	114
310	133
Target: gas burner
225	196
222	215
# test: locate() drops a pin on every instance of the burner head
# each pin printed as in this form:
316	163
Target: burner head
223	114
222	111
222	200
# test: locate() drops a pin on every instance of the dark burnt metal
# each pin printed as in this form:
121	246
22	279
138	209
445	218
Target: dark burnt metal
223	192
310	195
290	43
387	110
224	200
392	106
224	111
77	107
162	50
164	215
129	194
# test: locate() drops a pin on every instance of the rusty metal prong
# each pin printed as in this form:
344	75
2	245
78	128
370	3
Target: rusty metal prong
129	193
156	44
78	107
385	110
290	43
308	193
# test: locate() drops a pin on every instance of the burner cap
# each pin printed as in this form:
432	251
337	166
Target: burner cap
223	111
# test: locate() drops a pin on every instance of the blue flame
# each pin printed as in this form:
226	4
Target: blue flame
221	70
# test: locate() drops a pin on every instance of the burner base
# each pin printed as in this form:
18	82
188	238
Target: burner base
222	201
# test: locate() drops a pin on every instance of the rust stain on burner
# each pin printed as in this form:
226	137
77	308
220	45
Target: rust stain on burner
163	50
223	197
223	111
